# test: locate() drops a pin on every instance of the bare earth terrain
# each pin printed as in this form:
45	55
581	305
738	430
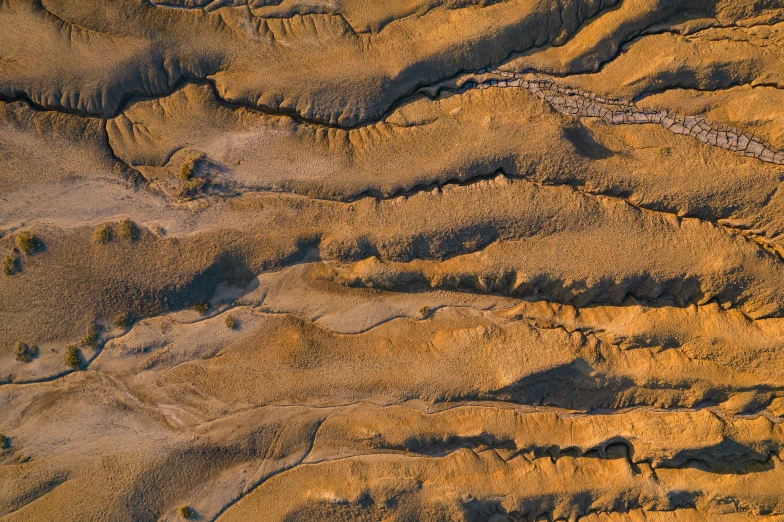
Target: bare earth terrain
401	260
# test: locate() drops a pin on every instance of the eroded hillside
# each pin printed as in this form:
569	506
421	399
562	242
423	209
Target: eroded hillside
471	260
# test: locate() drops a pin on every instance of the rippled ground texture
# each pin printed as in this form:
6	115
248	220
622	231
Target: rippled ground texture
410	260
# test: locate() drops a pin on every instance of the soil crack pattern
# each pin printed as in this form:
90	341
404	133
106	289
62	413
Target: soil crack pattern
402	260
581	103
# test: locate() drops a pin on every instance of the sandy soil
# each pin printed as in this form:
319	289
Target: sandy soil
411	260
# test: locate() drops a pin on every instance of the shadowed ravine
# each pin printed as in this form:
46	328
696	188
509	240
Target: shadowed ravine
432	260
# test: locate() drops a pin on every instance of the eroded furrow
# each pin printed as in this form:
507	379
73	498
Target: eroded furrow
577	102
464	260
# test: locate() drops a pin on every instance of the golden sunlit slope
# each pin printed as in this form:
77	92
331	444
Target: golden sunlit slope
411	260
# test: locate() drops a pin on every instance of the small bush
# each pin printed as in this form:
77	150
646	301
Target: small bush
188	167
192	187
4	442
231	322
26	242
664	151
90	335
103	234
187	512
127	230
11	264
425	311
73	357
25	353
121	320
201	307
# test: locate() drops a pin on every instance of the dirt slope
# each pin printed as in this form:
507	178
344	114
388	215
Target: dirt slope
410	260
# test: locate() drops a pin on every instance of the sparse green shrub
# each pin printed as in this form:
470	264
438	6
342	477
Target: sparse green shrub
103	234
187	512
73	357
90	335
127	230
24	352
664	151
26	242
201	307
231	322
11	264
121	320
425	311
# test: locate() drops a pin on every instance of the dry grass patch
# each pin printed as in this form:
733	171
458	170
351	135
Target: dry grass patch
102	234
73	357
192	187
191	184
26	242
231	322
188	167
91	336
24	352
121	320
201	307
11	264
127	230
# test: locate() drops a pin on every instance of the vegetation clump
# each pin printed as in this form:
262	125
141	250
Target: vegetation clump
4	442
26	242
187	512
103	234
121	320
188	167
192	186
664	151
231	322
425	311
73	357
201	307
11	264
24	352
127	230
90	335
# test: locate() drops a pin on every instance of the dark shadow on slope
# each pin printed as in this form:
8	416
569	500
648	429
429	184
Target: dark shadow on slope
586	145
